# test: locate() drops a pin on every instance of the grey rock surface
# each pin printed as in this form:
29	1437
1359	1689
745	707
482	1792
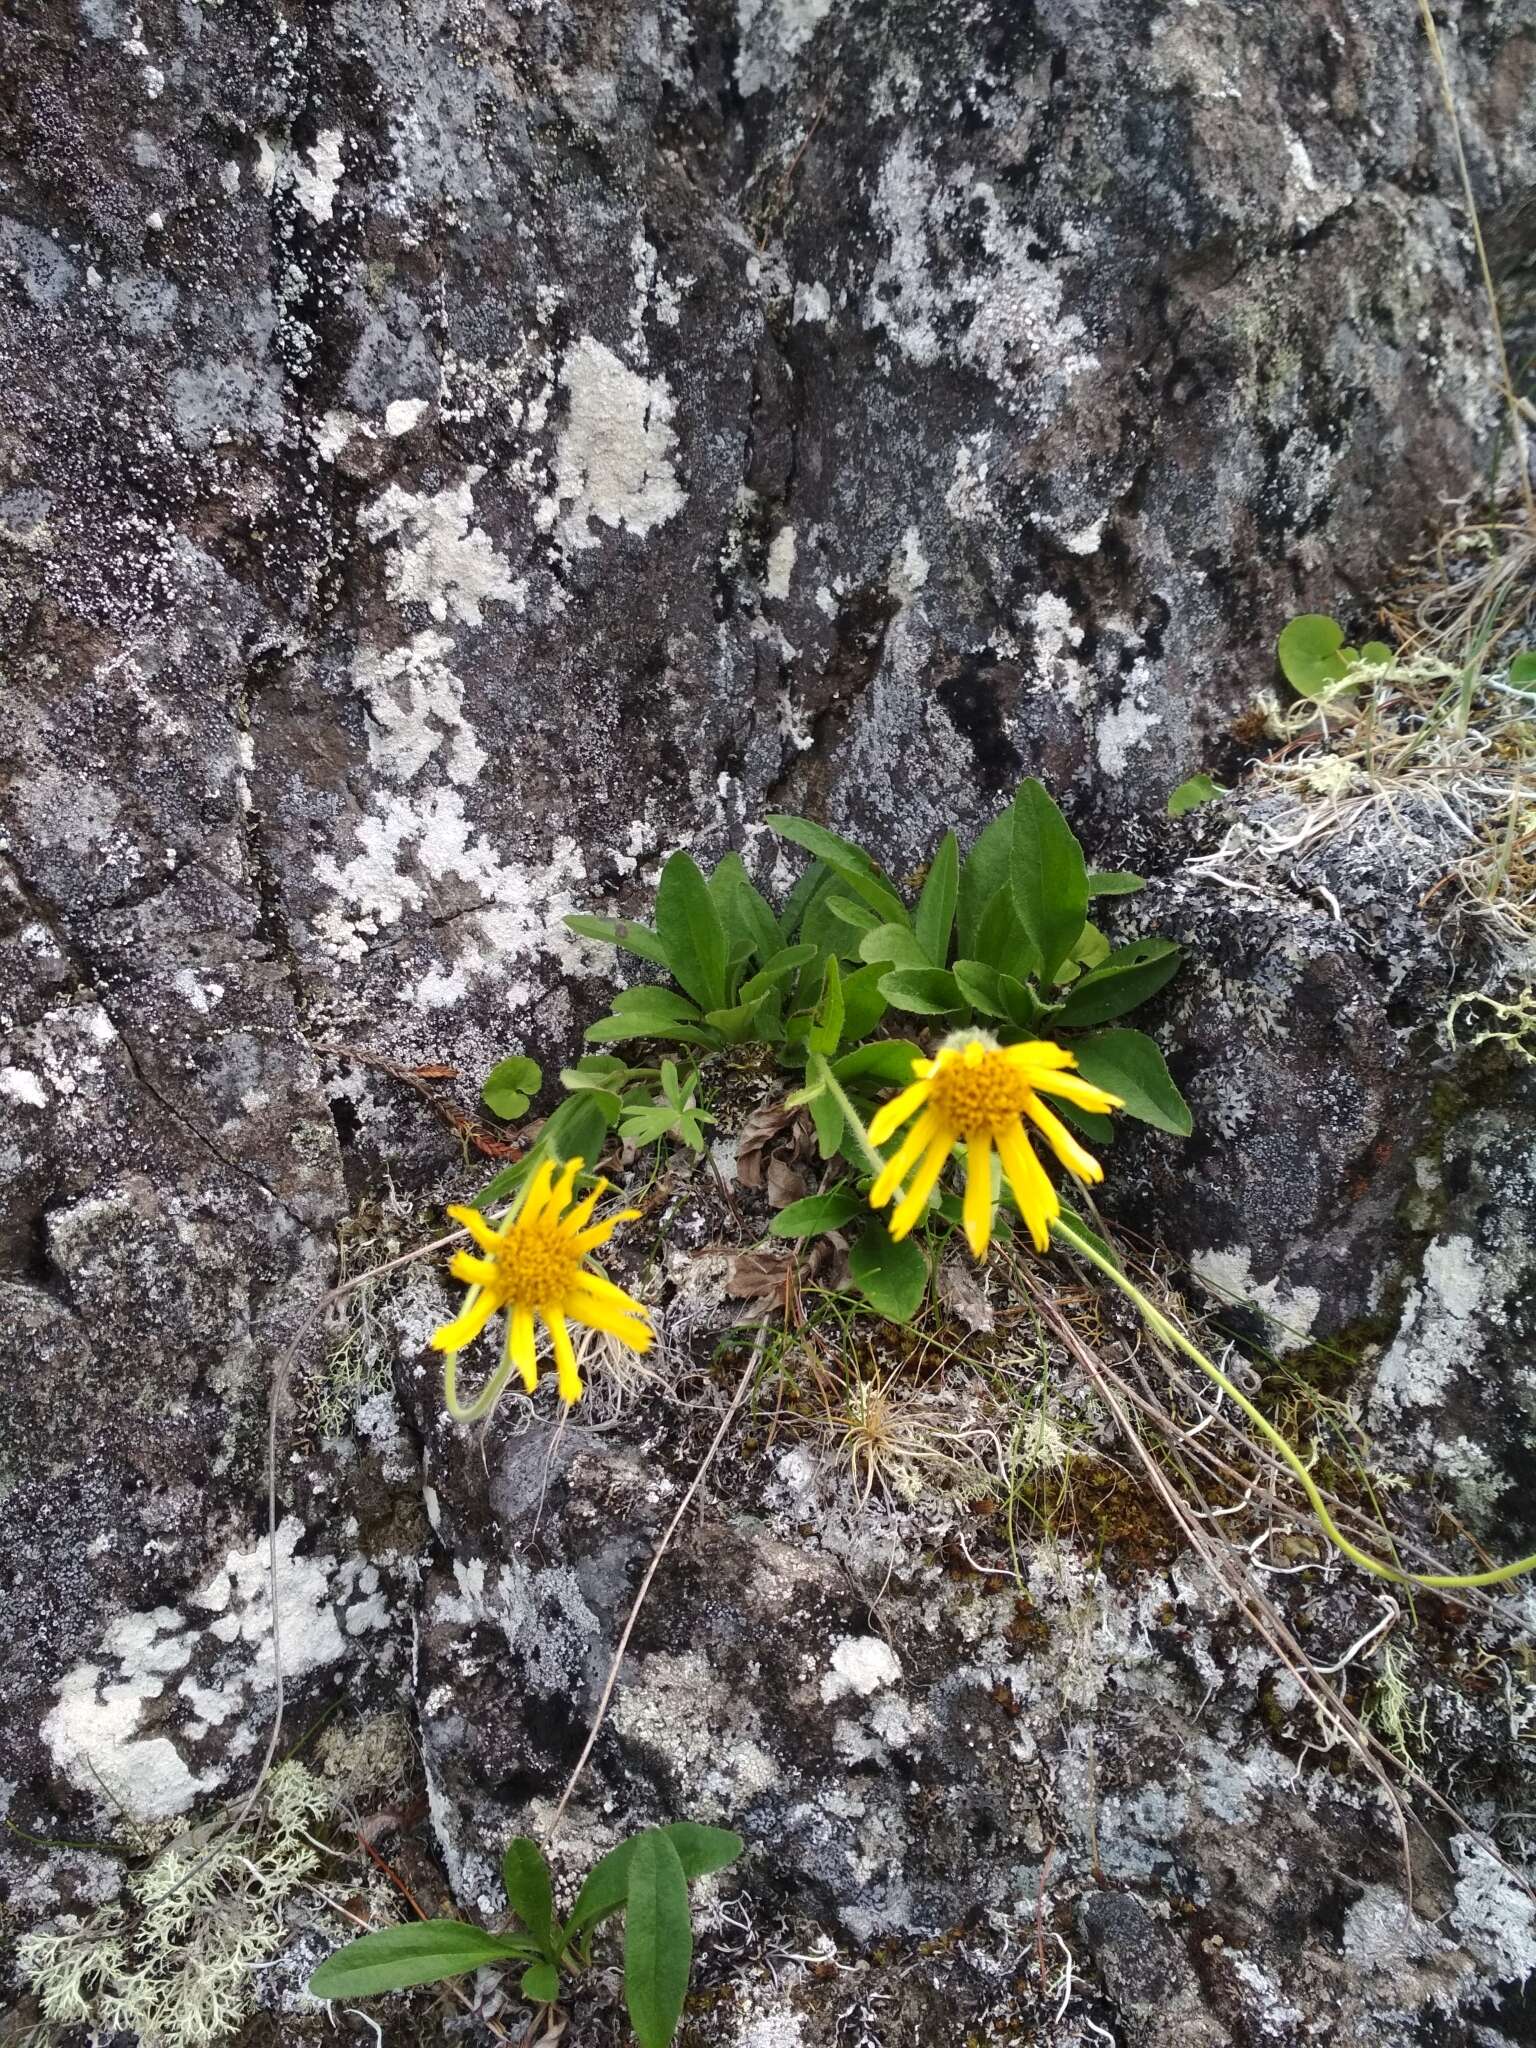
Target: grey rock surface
449	457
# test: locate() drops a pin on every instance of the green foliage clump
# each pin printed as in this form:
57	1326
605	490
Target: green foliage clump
646	1878
1313	658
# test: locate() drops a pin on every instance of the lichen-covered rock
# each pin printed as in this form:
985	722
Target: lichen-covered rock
451	457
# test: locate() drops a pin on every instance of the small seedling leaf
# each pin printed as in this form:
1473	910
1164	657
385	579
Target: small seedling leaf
1198	789
511	1085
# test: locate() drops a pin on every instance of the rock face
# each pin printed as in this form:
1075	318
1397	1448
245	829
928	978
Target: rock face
453	456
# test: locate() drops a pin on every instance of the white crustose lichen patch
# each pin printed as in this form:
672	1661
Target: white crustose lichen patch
613	461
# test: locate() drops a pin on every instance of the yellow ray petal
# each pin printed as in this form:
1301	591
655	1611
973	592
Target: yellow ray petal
902	1160
536	1192
1039	1052
600	1314
478	1272
1072	1088
520	1346
1074	1157
479	1227
915	1201
467	1325
567	1378
894	1113
600	1284
1038	1201
560	1194
978	1195
581	1215
599	1234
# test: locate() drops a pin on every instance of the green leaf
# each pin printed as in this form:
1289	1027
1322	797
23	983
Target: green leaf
845	859
540	1984
623	931
998	995
1128	977
656	1000
1377	653
700	1850
894	945
817	880
1001	940
646	1126
593	1070
1129	1064
688	925
397	1957
864	1001
851	912
743	912
892	1277
525	1880
983	872
827	1024
579	1127
1050	881
888	1059
1115	882
511	1085
639	1024
827	1116
1092	948
1309	653
813	1215
1199	789
1522	670
658	1940
928	991
783	964
934	918
1098	1129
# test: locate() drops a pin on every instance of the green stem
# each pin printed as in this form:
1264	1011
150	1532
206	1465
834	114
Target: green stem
1172	1334
822	1073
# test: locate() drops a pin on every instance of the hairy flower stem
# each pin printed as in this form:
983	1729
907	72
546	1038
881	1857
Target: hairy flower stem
1169	1331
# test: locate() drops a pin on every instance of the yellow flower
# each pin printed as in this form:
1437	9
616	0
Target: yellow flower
535	1265
975	1093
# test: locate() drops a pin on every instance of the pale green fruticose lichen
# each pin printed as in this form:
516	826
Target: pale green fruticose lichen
174	1966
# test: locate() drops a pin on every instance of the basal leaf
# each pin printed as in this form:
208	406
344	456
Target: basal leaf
926	991
813	1215
700	1850
887	1060
396	1958
658	1940
845	859
827	1023
540	1984
983	872
1050	880
1129	1064
864	1001
934	918
688	925
894	945
525	1880
892	1277
622	931
1115	882
1128	977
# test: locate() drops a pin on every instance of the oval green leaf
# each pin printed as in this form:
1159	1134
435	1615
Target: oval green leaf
892	1277
658	1940
814	1214
525	1880
541	1984
926	991
1309	654
510	1086
1128	977
1129	1064
1198	789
